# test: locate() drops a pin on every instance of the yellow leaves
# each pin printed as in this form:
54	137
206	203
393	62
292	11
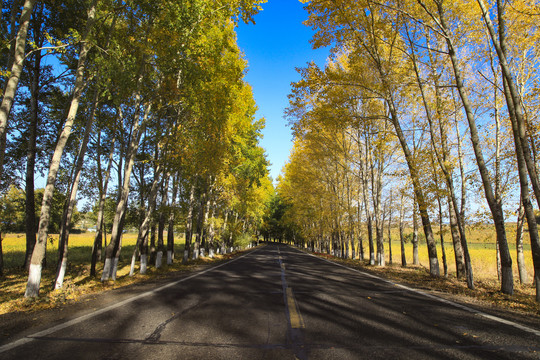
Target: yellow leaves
5	73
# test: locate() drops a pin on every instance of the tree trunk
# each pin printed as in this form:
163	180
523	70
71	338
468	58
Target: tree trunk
381	257
370	239
416	259
100	223
443	250
512	95
34	276
153	231
143	250
170	229
143	229
112	252
204	230
419	193
379	226
211	232
525	200
498	260
161	222
189	225
72	200
441	159
390	230
458	250
526	165
223	244
401	231
31	151
460	215
12	83
507	284
369	219
200	227
523	277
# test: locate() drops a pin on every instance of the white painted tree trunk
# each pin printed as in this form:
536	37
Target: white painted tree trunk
106	269
211	253
34	279
38	254
113	249
70	205
159	258
114	269
169	257
144	264
133	260
195	254
61	273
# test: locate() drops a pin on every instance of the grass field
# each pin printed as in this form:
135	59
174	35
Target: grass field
481	241
77	280
483	258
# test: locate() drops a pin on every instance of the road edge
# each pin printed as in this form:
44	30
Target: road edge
31	337
432	296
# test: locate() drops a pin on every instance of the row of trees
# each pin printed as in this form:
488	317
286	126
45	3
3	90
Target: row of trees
140	102
422	101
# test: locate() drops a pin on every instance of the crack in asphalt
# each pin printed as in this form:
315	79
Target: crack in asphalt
156	335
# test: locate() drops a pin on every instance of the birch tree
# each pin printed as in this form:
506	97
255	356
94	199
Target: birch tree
38	254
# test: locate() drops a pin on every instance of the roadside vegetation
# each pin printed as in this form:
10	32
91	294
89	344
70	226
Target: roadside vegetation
425	116
132	116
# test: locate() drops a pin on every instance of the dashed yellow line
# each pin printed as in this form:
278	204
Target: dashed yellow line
297	322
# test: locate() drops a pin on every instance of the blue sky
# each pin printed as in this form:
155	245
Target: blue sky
274	47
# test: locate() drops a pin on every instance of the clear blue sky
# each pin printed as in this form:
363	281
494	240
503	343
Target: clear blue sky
274	47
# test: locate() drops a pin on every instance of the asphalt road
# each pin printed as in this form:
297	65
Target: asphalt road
276	302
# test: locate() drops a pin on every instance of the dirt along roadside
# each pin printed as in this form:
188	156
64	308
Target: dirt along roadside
520	307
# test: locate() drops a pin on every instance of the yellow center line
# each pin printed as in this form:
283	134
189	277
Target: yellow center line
297	322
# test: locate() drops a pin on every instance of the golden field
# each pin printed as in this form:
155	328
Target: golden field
482	249
77	280
483	258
